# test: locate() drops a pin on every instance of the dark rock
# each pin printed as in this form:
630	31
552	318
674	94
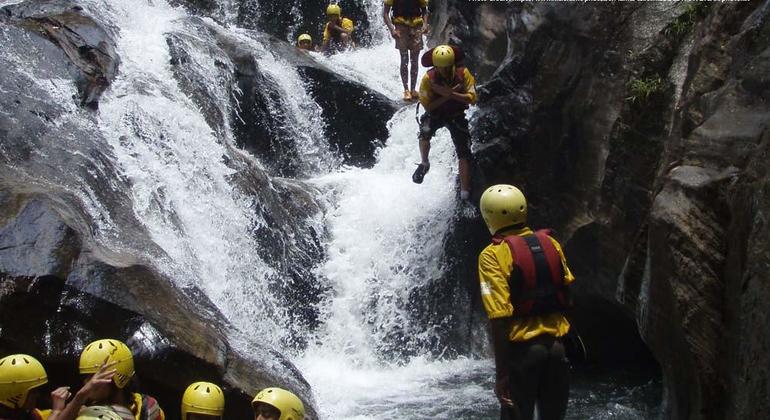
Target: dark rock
634	132
480	29
260	115
357	138
89	47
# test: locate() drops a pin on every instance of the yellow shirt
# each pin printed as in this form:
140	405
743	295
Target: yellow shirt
156	412
346	24
43	414
413	21
426	92
495	266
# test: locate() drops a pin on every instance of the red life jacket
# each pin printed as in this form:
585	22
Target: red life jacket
451	107
406	9
537	281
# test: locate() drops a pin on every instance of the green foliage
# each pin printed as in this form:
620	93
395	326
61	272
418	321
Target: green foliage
642	89
693	12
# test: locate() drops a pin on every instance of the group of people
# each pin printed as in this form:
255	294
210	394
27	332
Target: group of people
108	392
446	90
337	34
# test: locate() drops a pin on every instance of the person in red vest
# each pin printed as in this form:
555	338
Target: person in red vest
524	282
407	21
446	91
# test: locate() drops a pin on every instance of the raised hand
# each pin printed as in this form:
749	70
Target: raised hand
59	398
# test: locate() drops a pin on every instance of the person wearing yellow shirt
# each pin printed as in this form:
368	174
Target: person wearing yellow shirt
446	91
407	21
337	31
524	281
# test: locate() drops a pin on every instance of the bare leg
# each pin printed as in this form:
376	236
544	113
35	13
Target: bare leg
414	56
465	175
345	40
404	67
424	150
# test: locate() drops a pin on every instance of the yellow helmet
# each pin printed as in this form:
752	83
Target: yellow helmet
287	403
443	56
333	9
19	373
108	350
98	412
203	398
503	206
304	37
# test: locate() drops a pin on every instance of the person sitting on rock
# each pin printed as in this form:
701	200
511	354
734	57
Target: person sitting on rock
98	412
21	377
446	91
337	31
203	401
305	42
527	320
107	367
409	21
277	404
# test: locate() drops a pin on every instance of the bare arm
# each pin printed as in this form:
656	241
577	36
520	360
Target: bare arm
100	379
386	18
500	328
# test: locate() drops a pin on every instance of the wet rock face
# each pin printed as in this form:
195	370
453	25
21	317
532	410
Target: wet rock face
637	133
258	112
90	49
480	29
356	118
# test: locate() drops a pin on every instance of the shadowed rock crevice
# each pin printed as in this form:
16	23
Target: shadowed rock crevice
640	145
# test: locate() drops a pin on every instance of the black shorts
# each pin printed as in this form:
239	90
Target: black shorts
458	129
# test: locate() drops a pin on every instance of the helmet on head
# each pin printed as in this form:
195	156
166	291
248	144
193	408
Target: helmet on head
305	37
443	56
333	9
19	373
503	206
287	403
98	412
203	398
107	351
